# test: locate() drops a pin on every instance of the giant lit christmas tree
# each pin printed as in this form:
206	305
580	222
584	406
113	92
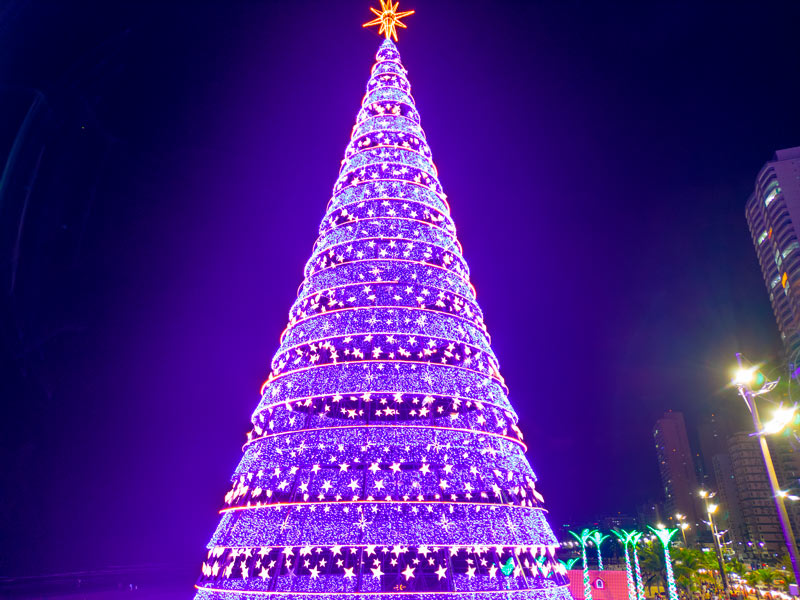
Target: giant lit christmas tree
385	460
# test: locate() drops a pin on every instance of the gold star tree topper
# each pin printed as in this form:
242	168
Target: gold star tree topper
388	18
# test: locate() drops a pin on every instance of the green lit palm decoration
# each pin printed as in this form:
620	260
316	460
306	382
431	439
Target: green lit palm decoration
570	562
665	536
625	538
637	535
582	538
598	538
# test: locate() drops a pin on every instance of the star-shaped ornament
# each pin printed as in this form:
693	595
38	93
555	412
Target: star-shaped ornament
388	19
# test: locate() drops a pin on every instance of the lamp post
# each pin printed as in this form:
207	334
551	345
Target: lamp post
744	380
710	510
683	526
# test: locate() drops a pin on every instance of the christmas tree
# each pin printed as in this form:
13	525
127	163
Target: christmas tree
385	458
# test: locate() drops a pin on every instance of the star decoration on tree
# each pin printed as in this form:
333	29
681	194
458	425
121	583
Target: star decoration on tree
388	19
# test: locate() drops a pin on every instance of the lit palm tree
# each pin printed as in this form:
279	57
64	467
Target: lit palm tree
665	537
639	585
625	538
582	538
598	538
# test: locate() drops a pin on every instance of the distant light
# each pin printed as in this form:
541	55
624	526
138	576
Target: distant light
712	507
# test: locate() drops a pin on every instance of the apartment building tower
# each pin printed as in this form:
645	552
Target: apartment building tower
773	217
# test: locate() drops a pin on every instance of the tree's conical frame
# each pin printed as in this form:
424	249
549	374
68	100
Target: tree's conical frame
385	459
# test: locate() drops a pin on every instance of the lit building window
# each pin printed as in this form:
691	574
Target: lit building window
775	282
791	248
762	237
771	196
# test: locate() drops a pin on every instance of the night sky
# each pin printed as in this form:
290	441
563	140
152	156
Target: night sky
167	187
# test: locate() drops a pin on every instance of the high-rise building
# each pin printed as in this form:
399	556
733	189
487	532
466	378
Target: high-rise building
730	515
677	467
650	512
773	216
713	432
759	519
755	505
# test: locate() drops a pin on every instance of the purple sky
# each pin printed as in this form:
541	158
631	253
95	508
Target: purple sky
597	159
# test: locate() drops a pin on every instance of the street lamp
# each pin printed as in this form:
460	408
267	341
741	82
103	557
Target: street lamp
683	525
744	380
711	508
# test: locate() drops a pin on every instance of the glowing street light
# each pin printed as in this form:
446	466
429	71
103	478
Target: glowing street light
683	526
781	418
745	376
786	494
744	380
711	508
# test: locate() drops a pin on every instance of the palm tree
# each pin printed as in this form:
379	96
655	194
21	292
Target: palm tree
688	565
652	564
772	578
785	566
767	577
734	565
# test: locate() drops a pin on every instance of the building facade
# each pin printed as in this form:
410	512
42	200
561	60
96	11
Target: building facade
773	216
754	506
677	467
729	517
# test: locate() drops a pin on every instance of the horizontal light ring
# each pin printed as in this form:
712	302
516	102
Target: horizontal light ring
380	502
392	427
